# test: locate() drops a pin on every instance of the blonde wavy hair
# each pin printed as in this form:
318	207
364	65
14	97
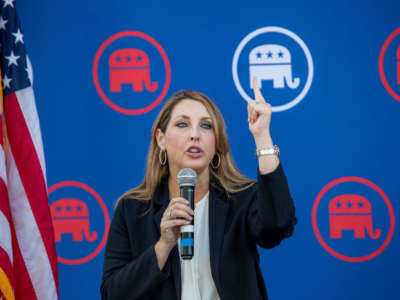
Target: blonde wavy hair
226	174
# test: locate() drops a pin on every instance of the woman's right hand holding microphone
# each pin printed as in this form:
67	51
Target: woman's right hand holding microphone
177	214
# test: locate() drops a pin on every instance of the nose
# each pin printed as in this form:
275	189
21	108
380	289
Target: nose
195	134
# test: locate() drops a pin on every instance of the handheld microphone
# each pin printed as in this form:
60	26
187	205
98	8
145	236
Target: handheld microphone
187	179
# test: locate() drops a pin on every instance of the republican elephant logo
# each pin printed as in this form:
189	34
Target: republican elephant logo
130	66
71	216
272	62
351	212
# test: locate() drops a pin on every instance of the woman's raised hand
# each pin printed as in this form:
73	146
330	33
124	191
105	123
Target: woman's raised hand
259	118
259	113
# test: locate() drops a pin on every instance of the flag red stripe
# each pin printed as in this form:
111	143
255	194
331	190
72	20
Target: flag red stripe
31	175
6	266
5	210
17	274
23	287
5	260
4	205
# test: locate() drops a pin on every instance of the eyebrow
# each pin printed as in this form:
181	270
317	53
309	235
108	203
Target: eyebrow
187	117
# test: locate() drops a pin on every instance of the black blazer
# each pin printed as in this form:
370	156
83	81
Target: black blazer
263	214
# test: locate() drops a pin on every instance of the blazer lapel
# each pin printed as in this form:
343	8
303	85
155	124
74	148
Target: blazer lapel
218	211
160	204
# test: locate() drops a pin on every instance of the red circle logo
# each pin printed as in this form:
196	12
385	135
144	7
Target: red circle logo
130	67
71	217
391	65
351	214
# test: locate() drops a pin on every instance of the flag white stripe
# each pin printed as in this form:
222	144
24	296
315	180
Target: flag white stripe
26	100
30	241
5	236
2	164
5	233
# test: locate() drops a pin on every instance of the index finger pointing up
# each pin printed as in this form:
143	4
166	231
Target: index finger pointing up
257	94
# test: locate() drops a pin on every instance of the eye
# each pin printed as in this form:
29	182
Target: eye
206	125
181	124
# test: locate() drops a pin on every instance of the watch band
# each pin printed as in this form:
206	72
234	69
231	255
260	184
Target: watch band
268	151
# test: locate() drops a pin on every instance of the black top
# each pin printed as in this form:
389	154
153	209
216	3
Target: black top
261	215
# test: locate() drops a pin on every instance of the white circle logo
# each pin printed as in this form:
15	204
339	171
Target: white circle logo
280	60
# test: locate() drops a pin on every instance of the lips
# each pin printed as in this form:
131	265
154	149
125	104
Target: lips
194	151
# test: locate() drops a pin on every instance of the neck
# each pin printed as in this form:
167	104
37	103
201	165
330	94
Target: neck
202	186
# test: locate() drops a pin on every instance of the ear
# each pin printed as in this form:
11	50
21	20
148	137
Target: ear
160	137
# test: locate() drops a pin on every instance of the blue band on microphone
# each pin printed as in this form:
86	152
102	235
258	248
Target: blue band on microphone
187	242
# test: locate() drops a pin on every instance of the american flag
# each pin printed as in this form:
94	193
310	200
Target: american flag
28	261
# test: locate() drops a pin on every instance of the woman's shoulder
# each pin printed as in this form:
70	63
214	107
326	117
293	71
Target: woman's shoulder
235	194
232	187
246	190
130	205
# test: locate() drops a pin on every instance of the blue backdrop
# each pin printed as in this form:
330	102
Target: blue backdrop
340	138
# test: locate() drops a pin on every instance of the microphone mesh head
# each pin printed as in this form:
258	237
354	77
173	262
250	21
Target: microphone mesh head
187	176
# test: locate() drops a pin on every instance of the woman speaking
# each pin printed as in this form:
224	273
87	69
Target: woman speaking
232	214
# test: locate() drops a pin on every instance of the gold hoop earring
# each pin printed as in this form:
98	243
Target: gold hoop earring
162	161
213	165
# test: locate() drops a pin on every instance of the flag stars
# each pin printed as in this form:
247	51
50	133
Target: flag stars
280	54
18	36
8	3
259	55
6	82
12	59
3	23
269	54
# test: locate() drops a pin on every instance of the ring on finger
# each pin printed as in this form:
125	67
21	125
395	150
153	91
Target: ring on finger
169	214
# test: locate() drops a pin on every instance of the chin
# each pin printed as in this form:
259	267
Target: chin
198	167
